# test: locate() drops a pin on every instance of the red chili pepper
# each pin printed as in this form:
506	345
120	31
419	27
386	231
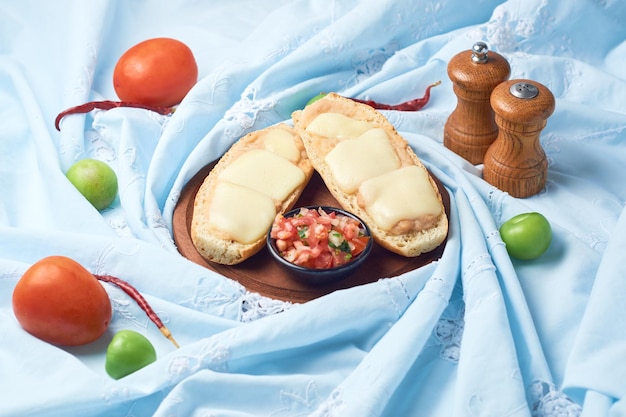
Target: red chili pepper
411	105
135	295
108	105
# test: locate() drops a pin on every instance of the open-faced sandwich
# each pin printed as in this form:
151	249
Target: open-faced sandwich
373	172
261	175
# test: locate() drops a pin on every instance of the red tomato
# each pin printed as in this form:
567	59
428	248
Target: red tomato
156	72
60	302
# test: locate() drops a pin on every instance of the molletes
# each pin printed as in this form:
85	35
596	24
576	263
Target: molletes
261	175
372	172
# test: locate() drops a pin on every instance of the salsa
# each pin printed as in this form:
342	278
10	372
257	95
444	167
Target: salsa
314	238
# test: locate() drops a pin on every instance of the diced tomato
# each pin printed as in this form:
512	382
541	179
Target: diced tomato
341	258
360	242
304	238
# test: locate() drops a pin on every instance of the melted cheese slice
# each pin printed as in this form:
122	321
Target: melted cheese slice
338	126
245	215
403	194
266	172
353	161
281	143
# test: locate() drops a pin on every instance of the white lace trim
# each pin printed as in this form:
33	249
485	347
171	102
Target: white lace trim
546	400
255	306
245	112
214	358
448	333
330	405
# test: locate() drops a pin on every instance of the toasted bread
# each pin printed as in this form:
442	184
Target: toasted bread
419	237
215	243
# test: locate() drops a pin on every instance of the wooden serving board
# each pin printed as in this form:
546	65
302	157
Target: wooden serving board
263	275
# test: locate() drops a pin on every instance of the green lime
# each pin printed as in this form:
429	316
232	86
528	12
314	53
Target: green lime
95	180
128	352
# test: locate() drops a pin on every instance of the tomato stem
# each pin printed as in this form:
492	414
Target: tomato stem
108	105
141	301
411	105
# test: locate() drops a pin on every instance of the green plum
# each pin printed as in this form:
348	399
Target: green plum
128	352
527	236
315	98
95	180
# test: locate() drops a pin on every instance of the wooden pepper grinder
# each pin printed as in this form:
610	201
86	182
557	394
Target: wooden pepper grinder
516	162
471	129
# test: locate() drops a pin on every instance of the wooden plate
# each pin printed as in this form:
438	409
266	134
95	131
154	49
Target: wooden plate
262	275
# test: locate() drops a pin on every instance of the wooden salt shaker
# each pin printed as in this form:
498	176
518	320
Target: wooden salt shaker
470	128
516	162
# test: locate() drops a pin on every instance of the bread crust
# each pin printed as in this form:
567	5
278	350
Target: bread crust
215	246
317	147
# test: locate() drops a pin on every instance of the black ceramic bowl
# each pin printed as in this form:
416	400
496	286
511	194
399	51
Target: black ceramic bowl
326	275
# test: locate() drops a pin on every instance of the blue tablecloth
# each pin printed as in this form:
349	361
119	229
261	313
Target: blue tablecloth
474	334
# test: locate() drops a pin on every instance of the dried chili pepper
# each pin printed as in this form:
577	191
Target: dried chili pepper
411	105
108	105
135	295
